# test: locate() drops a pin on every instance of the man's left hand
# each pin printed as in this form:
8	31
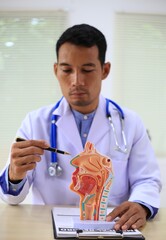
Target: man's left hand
131	215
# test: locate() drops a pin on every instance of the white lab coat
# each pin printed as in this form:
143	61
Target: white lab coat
136	174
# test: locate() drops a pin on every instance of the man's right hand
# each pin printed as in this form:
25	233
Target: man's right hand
24	157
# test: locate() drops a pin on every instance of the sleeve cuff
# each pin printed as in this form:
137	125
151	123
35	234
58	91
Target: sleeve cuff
8	187
15	189
152	210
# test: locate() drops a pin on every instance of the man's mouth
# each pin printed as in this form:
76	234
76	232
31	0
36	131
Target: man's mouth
76	93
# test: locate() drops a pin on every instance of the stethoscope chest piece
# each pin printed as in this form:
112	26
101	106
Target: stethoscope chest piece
54	170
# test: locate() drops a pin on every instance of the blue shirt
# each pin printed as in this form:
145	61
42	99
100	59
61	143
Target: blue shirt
83	122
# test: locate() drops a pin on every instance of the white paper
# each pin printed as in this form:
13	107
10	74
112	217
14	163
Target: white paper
67	222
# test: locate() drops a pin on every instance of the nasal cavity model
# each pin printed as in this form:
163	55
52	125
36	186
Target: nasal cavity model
92	180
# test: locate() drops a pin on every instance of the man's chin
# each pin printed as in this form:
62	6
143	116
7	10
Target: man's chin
79	103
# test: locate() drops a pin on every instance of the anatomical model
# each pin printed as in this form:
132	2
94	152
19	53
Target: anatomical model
92	180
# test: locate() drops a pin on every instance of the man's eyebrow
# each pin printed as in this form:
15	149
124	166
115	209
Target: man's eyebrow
84	65
89	65
64	64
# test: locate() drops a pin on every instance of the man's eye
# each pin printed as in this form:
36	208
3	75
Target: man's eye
66	70
87	70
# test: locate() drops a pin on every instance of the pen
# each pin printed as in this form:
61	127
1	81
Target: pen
19	139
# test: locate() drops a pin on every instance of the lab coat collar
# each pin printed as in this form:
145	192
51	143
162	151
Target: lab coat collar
66	123
64	107
100	125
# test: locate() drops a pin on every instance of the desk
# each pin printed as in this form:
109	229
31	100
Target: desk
29	222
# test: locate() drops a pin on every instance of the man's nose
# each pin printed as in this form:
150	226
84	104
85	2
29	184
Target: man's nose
77	79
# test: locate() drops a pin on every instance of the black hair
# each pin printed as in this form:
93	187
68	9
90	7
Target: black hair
86	36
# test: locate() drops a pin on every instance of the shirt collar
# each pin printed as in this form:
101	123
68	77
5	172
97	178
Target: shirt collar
81	116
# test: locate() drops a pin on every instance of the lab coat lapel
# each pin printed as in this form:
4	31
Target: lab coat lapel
66	124
69	129
100	124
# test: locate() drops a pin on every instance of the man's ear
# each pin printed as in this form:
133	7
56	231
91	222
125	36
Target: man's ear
106	69
55	68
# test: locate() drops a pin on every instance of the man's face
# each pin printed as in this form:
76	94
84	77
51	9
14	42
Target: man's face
80	74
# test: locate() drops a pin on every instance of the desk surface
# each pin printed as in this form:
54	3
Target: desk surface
34	222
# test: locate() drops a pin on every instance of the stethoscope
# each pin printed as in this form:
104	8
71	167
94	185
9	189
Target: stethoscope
54	168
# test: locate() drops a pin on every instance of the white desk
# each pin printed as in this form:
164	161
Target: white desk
28	222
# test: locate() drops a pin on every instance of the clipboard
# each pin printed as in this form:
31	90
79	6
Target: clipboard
66	225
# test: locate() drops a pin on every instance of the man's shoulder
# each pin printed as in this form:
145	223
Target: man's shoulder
43	112
116	107
58	108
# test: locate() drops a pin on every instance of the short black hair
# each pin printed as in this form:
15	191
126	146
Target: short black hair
86	36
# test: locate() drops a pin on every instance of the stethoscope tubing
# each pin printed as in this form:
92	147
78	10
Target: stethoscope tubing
54	169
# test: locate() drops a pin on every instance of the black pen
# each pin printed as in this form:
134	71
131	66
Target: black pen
19	139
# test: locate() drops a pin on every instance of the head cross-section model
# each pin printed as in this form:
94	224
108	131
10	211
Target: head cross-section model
92	180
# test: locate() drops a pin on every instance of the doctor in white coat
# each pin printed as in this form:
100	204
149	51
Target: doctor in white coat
80	117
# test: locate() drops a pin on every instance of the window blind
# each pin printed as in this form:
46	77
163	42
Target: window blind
27	55
139	68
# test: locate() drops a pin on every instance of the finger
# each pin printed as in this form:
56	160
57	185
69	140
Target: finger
19	173
112	215
117	212
19	170
139	223
128	223
27	160
27	143
20	166
126	220
130	220
21	152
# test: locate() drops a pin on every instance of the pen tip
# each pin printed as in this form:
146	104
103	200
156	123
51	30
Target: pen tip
67	153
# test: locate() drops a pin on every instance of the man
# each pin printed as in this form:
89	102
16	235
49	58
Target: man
78	117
